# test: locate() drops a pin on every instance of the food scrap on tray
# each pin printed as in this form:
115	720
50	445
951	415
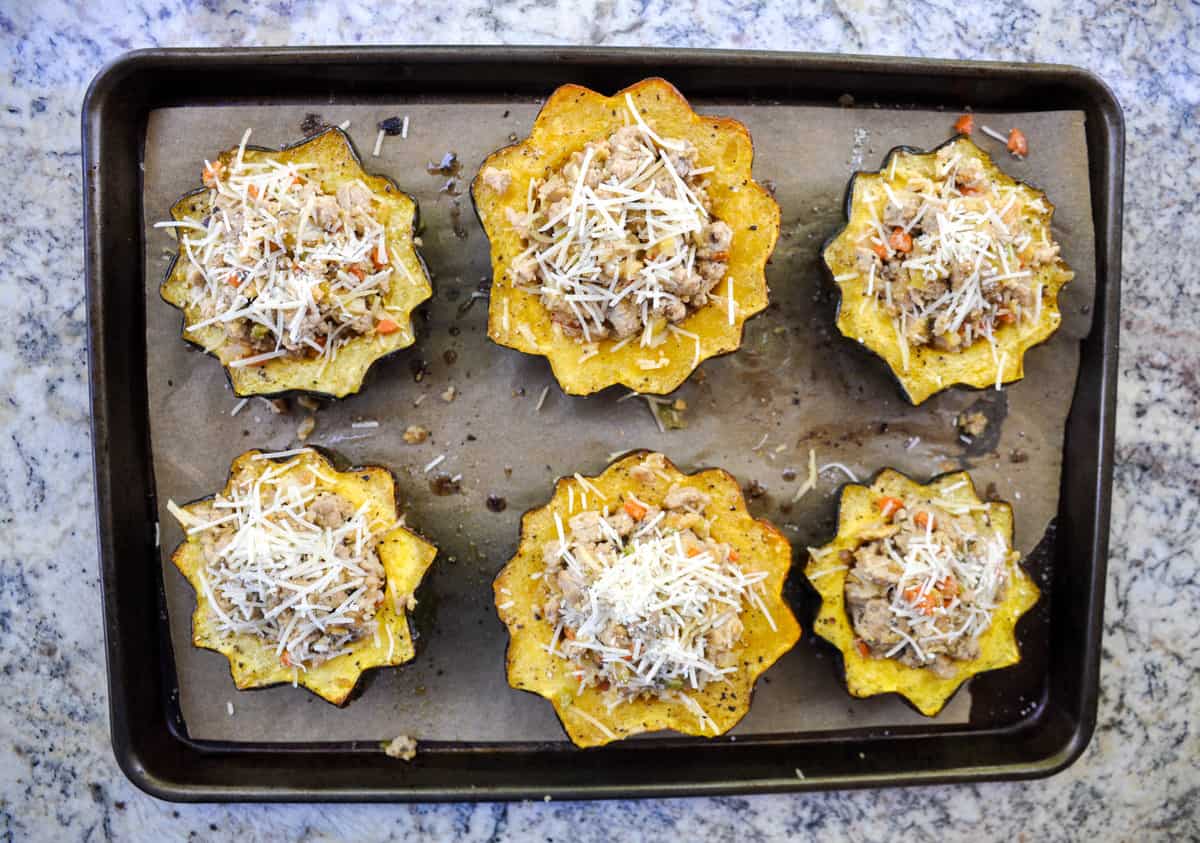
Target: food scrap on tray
302	573
920	588
947	269
296	268
645	599
628	238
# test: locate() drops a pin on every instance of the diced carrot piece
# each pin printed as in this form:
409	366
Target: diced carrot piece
379	264
357	271
949	590
212	174
386	326
889	506
901	240
1017	144
636	511
965	125
922	519
734	555
252	191
285	660
881	250
1007	318
925	603
693	551
863	649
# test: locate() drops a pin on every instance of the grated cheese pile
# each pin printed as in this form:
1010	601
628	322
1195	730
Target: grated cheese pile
954	258
288	563
647	605
925	593
621	242
283	266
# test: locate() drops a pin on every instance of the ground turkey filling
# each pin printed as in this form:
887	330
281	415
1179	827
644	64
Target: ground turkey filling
954	258
925	590
290	564
284	267
621	240
645	601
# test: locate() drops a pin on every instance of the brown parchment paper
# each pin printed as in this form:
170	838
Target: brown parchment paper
795	381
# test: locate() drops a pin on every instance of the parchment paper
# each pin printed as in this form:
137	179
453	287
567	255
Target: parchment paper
795	380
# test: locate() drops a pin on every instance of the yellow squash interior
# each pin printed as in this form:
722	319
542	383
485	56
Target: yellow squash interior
760	546
862	318
571	117
336	165
859	520
405	557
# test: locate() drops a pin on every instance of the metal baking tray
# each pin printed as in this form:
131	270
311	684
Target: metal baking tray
996	734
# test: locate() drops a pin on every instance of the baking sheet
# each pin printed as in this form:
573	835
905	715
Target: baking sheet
795	380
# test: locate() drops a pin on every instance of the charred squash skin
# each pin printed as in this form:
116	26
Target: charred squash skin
571	117
861	319
337	163
859	520
520	598
405	557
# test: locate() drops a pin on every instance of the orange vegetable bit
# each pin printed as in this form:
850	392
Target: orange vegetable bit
252	191
1017	144
1006	317
923	519
693	551
925	603
863	649
889	506
965	125
900	241
386	326
734	555
949	590
881	250
375	259
284	659
358	272
212	174
636	511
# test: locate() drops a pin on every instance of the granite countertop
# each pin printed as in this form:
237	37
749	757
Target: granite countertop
1139	778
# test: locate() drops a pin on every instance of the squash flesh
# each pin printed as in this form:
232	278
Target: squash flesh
405	557
530	667
572	116
337	164
859	520
930	370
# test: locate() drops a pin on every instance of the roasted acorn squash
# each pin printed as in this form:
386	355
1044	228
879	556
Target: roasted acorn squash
585	716
861	318
405	557
336	164
571	117
859	520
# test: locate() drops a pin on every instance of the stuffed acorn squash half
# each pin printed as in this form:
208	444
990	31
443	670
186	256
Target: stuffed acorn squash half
921	588
629	240
296	269
947	268
645	599
302	573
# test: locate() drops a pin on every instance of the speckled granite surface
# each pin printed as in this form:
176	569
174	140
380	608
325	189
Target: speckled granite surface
1139	779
